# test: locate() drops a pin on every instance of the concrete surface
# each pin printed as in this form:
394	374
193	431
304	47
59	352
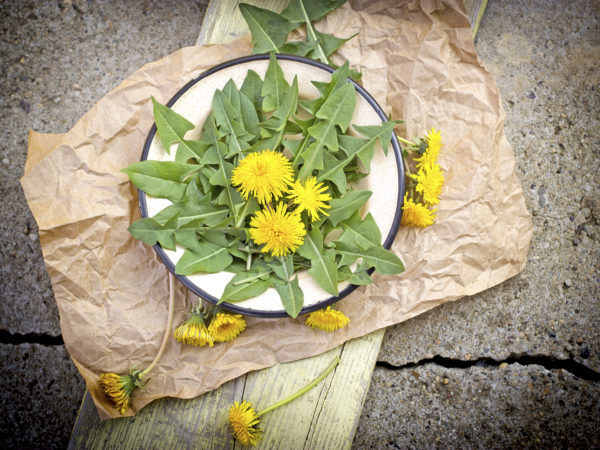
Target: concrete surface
521	360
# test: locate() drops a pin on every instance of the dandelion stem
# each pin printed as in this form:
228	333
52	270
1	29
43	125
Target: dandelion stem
405	141
303	390
163	345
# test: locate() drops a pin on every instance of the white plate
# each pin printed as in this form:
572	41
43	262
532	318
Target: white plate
385	180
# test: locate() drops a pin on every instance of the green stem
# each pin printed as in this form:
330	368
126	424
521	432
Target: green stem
163	345
401	139
303	390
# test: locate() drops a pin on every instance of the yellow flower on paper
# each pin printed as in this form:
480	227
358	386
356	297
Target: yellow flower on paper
327	319
430	180
118	388
434	144
280	231
224	327
416	214
265	175
193	331
244	423
310	196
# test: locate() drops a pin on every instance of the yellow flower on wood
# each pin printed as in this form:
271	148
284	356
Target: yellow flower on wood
327	319
193	331
265	175
244	423
430	179
434	144
280	231
118	388
310	196
224	327
416	214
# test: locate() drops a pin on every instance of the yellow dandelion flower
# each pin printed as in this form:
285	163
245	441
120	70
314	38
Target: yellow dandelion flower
224	327
327	320
416	214
281	231
266	175
193	331
434	144
430	180
118	388
310	196
244	423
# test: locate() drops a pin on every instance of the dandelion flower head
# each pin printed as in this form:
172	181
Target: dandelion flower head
310	196
430	179
224	327
244	423
280	231
327	319
265	175
416	214
118	388
194	332
434	144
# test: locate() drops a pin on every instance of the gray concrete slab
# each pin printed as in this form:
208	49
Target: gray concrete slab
545	59
57	60
486	407
41	393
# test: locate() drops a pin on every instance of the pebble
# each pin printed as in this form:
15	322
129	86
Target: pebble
445	381
587	212
5	161
33	237
503	365
568	283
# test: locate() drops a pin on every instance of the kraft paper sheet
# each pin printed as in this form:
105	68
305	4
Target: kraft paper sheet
419	62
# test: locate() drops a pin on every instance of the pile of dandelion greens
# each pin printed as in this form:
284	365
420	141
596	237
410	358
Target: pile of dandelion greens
262	191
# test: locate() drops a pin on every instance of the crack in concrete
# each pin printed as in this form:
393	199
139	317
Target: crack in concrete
30	338
549	362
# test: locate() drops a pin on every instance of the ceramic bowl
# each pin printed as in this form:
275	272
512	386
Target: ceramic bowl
385	180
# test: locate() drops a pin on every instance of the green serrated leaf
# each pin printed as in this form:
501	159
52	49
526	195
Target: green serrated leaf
300	10
300	48
338	108
362	234
384	261
164	215
226	118
170	126
344	207
323	266
160	178
313	159
187	150
274	87
269	30
382	132
328	43
208	258
149	231
292	297
252	87
246	285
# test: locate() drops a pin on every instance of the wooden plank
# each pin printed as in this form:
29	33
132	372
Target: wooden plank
198	423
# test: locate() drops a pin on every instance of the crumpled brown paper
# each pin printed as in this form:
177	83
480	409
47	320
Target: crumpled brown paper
419	62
